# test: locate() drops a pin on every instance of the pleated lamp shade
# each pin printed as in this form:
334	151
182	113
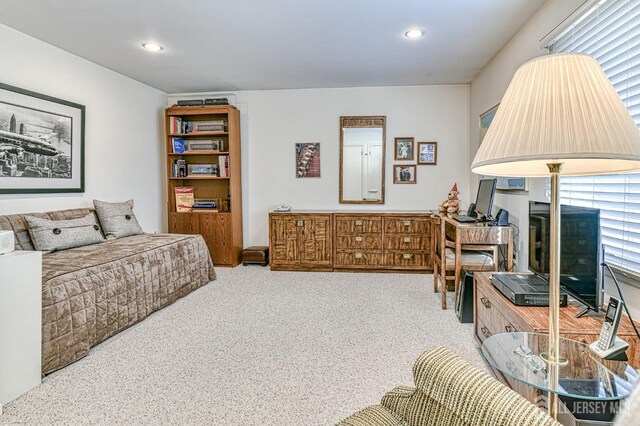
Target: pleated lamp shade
559	108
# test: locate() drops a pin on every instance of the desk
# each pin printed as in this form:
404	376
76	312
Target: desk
449	233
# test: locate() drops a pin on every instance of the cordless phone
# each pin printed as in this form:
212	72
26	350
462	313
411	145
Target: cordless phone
608	345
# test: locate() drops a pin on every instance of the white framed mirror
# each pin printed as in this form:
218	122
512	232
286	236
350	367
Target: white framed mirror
362	159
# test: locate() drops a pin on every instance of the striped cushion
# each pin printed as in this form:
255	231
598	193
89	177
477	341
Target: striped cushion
450	392
374	415
469	257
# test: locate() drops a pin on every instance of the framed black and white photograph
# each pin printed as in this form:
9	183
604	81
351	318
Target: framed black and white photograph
404	173
428	153
404	149
41	143
308	160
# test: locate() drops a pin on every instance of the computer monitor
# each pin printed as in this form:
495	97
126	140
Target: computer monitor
484	199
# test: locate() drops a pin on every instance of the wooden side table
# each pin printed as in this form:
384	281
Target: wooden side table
20	323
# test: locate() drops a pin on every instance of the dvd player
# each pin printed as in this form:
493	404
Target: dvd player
524	289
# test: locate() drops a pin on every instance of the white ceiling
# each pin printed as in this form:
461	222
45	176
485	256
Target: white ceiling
222	45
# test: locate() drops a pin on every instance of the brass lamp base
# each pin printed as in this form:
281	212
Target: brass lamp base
561	361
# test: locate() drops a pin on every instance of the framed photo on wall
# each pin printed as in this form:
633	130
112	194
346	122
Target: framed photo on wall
41	143
403	148
503	183
308	160
404	173
428	153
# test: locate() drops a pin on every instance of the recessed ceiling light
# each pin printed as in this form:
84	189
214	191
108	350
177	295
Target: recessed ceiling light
414	33
152	47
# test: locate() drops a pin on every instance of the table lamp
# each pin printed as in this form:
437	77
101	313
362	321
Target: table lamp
559	116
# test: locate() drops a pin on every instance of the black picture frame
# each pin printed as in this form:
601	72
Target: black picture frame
14	139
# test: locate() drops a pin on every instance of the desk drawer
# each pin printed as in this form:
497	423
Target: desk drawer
407	225
358	258
406	242
409	258
358	225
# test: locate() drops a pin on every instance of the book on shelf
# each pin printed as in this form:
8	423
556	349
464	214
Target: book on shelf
209	126
180	168
204	145
223	165
184	198
178	145
175	125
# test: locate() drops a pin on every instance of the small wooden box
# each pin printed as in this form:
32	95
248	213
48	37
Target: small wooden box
255	254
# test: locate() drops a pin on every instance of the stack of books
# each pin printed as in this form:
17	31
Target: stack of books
208	206
209	126
180	168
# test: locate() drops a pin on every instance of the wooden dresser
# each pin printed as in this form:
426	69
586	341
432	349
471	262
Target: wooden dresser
493	313
350	241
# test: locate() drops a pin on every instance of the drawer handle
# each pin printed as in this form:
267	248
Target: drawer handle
407	256
358	223
406	240
407	223
300	223
485	331
358	255
509	328
485	302
358	239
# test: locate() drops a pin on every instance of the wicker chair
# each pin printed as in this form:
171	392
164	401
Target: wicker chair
450	392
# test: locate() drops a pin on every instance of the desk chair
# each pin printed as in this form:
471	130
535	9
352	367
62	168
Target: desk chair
473	257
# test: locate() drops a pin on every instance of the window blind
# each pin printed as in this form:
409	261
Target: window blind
610	32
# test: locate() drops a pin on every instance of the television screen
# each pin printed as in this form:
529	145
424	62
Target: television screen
579	249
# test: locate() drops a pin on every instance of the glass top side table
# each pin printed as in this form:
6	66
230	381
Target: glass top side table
585	376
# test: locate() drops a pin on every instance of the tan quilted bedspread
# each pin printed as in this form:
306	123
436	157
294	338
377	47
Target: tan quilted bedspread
91	293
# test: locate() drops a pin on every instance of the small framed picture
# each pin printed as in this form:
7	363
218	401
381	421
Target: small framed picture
428	153
404	173
308	160
404	149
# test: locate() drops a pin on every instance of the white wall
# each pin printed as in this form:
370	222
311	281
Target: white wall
273	121
486	91
123	139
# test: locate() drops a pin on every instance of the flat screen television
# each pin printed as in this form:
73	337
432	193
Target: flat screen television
580	250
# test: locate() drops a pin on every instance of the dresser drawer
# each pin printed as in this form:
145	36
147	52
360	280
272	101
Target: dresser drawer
407	225
357	258
358	225
491	317
409	258
407	242
359	241
483	331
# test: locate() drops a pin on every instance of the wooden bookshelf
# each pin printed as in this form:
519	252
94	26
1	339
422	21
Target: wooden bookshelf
221	230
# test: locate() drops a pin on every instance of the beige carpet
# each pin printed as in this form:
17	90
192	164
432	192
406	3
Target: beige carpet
256	347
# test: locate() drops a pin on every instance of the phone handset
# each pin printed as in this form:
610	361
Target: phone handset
608	345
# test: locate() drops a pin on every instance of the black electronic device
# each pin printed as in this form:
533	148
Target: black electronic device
484	198
463	218
502	218
524	289
580	252
464	298
471	211
190	102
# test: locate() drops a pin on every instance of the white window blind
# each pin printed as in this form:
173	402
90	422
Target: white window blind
610	32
